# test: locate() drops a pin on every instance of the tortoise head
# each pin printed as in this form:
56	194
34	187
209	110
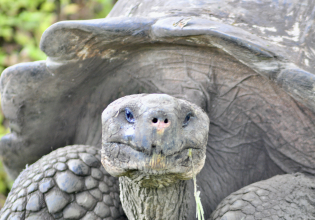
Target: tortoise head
154	139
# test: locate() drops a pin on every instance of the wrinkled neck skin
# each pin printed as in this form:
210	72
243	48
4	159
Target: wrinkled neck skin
141	203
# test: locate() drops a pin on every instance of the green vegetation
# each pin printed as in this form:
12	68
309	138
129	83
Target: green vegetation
22	23
199	208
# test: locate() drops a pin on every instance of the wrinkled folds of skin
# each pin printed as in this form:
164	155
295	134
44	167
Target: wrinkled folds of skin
152	159
227	60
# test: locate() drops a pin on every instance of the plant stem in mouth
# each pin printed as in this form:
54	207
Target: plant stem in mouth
199	208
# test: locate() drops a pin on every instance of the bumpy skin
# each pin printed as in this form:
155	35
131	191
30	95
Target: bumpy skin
289	197
69	183
151	147
154	143
146	147
251	71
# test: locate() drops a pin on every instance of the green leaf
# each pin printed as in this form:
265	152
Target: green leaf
71	9
35	53
6	33
48	6
22	38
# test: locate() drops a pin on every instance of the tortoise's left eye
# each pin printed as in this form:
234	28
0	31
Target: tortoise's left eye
187	119
129	116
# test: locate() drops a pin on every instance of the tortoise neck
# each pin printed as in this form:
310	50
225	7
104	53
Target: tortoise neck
140	203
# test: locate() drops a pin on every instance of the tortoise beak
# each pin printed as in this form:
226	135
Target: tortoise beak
157	133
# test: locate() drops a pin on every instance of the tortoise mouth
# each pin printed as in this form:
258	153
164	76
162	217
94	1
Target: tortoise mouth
155	150
121	159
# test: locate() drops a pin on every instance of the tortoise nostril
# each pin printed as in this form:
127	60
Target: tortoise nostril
155	120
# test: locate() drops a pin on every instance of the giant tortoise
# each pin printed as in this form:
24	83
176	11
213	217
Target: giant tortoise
247	64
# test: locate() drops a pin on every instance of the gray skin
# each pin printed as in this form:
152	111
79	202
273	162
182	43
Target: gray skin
146	140
68	183
251	72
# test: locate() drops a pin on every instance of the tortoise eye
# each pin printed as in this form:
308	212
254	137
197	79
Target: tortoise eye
129	116
187	118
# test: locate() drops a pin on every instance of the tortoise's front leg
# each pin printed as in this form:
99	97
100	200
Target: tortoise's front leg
290	196
69	183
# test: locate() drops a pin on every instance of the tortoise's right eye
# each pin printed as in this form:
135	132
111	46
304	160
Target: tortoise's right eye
129	116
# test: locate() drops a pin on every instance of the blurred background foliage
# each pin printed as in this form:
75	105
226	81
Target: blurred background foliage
22	23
